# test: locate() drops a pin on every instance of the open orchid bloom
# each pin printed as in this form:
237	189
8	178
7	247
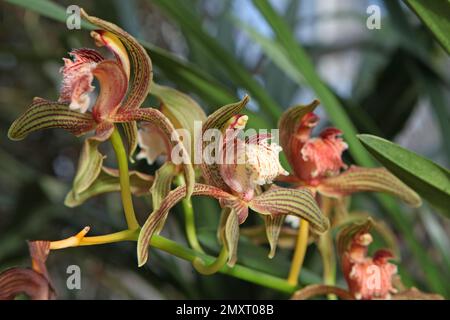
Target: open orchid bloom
124	84
317	162
33	282
243	166
367	277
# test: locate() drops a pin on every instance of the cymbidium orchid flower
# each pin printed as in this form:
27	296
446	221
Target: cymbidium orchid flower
124	84
317	164
33	282
317	161
368	278
237	184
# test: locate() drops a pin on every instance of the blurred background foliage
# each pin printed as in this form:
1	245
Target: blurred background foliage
392	82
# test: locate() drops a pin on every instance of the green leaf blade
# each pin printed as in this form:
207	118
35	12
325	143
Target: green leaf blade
435	15
424	176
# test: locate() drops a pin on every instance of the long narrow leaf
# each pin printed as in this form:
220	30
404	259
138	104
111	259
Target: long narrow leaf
435	15
237	72
425	177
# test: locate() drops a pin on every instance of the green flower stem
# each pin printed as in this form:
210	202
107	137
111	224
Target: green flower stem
212	268
237	271
189	217
124	178
169	246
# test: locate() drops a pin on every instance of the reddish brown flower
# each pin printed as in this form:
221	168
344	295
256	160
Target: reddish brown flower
317	161
368	277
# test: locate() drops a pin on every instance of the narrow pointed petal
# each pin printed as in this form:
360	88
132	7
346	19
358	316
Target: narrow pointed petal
44	114
273	224
163	181
154	223
218	120
140	62
131	134
89	166
108	181
298	202
113	87
358	179
289	125
158	119
229	234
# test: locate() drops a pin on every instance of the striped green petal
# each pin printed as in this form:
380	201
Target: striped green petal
358	179
273	225
229	233
44	114
131	131
163	181
155	221
297	202
89	166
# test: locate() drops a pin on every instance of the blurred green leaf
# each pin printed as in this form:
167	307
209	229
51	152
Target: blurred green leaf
300	61
192	27
424	176
435	15
394	95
